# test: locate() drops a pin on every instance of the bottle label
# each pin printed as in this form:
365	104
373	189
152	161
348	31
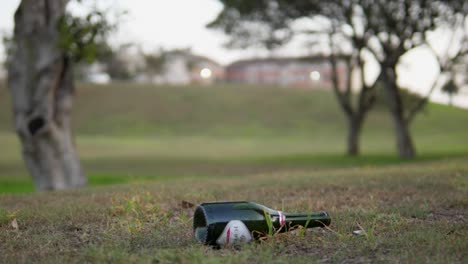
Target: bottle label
235	232
282	218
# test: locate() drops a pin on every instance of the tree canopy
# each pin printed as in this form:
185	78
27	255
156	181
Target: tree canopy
385	29
47	42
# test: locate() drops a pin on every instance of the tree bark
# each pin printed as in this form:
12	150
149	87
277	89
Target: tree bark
404	141
41	84
403	137
354	132
355	115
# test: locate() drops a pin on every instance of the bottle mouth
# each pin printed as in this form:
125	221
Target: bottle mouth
327	221
200	225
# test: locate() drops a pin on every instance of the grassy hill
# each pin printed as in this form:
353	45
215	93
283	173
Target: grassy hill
149	150
232	111
138	132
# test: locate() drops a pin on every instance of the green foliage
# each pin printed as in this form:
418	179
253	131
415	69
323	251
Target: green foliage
155	62
269	223
84	38
3	216
115	66
6	217
450	88
302	229
253	23
135	211
8	46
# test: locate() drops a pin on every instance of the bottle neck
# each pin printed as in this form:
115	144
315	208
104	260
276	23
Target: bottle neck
316	219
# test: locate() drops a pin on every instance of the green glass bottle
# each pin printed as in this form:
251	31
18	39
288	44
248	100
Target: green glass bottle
222	223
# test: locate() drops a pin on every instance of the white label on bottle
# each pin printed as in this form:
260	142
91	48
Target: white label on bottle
235	232
282	218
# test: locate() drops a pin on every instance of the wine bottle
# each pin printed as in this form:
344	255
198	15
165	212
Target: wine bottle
223	223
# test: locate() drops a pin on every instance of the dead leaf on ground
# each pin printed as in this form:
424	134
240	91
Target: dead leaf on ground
186	204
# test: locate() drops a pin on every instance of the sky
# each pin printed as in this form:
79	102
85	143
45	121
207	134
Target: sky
163	23
157	23
6	19
174	24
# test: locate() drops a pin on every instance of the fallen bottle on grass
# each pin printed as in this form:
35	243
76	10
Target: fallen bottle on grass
228	223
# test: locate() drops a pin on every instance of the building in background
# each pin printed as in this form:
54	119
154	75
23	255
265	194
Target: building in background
92	73
131	64
182	67
307	72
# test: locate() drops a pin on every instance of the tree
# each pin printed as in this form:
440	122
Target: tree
452	60
45	45
451	89
272	24
155	63
397	27
357	107
386	29
116	62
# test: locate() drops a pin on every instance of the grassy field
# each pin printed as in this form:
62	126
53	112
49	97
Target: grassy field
148	149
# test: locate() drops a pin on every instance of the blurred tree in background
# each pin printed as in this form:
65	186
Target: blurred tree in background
46	43
385	29
272	23
155	62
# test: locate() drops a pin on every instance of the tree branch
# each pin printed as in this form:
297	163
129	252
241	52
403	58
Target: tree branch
418	106
343	100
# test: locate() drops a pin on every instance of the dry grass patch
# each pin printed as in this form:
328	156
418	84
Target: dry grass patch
410	213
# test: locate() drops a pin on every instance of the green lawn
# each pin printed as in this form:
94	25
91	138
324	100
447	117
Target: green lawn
146	149
414	212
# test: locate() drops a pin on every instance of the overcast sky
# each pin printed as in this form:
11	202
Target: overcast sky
158	23
181	24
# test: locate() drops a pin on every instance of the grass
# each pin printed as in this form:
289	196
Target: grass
148	150
405	211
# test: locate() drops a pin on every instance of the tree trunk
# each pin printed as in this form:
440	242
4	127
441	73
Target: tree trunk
41	84
404	141
354	131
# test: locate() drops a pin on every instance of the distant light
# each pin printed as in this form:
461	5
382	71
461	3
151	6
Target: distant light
206	73
315	76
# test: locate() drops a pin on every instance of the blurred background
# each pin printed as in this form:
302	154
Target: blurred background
218	90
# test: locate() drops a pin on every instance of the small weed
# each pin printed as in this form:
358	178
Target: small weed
6	217
269	223
134	212
302	229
